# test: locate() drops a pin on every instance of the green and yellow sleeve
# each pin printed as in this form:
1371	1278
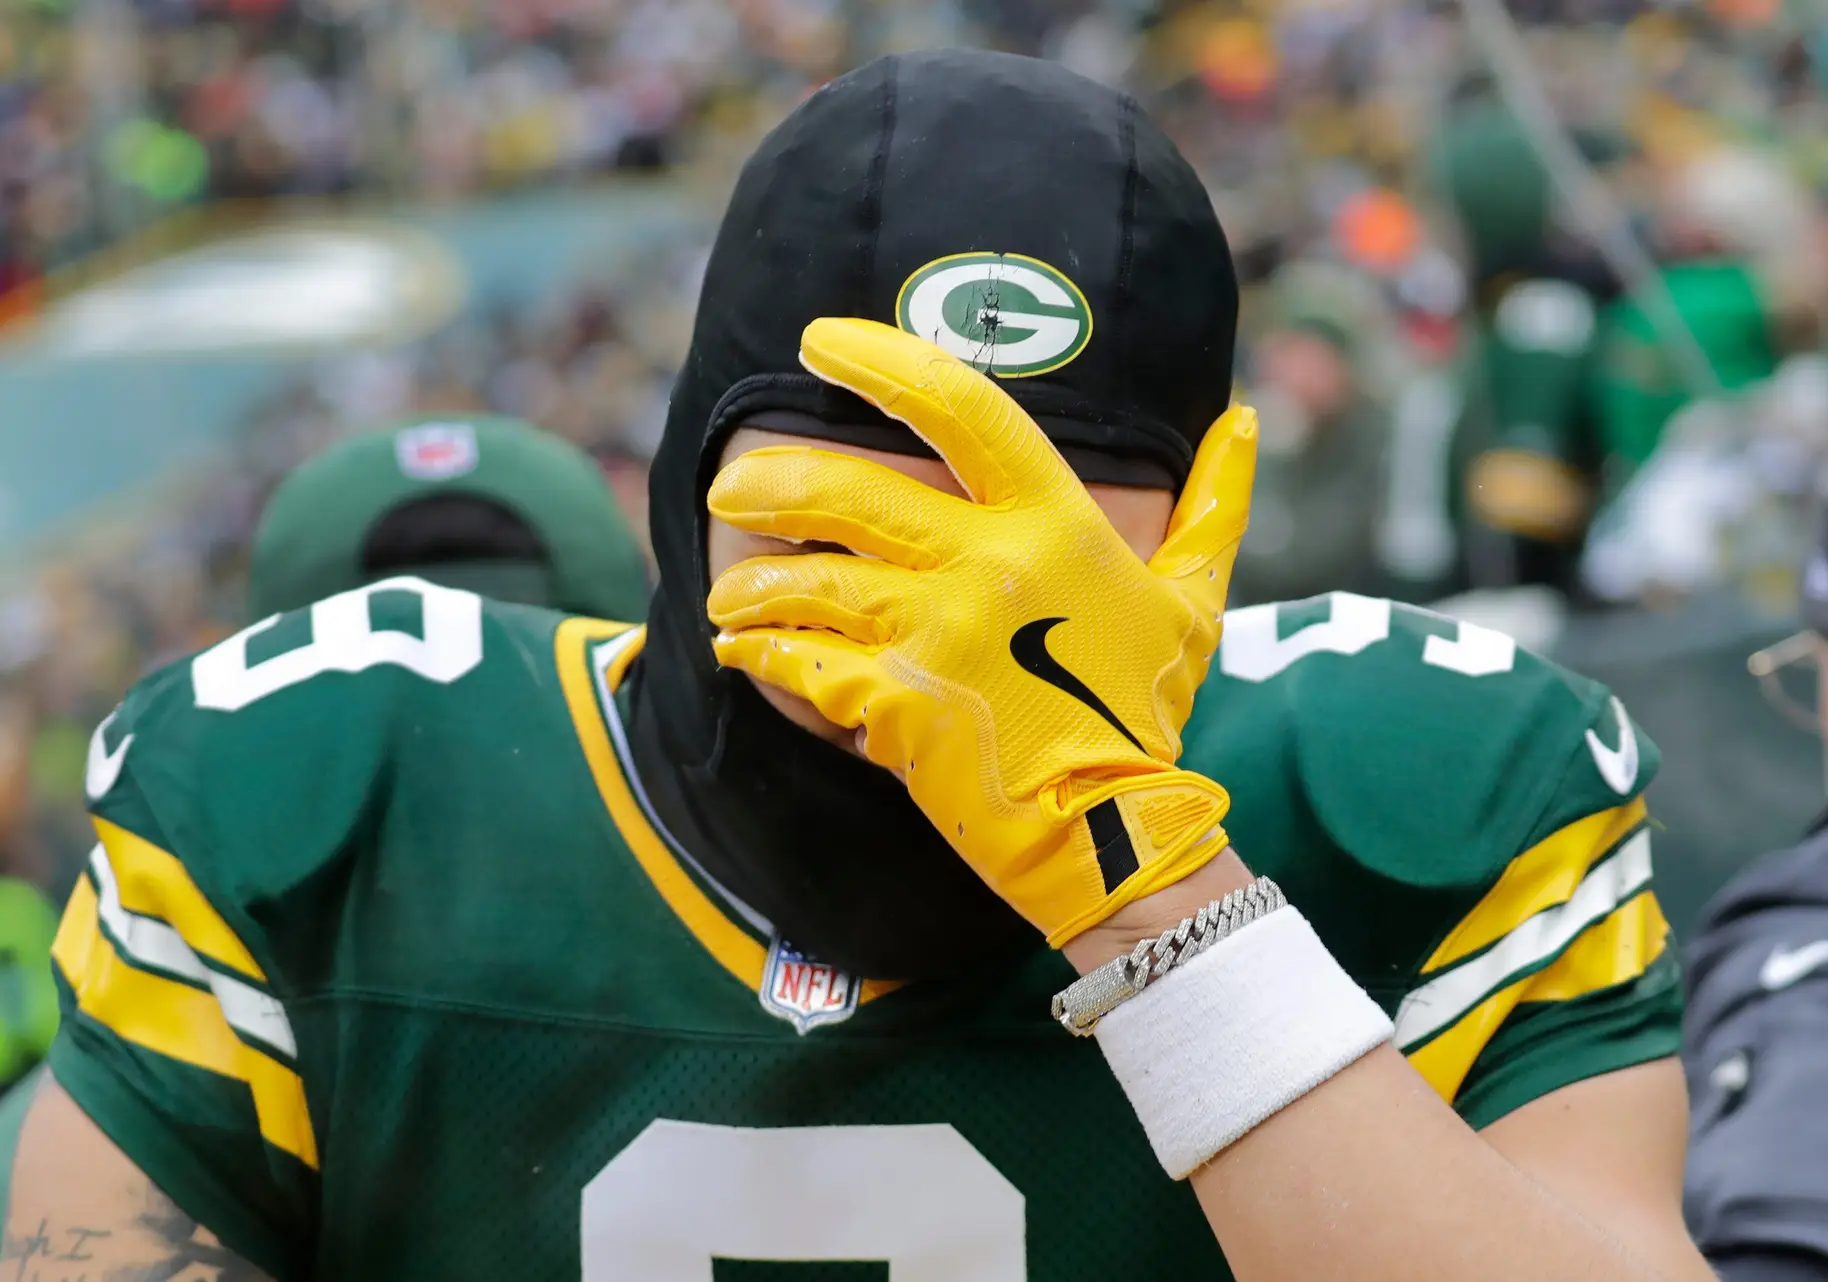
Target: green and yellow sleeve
1560	972
174	1042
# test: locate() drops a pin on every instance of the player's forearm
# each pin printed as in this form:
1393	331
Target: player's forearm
1370	1177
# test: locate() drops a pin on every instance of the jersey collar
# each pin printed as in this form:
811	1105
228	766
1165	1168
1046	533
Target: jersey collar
593	657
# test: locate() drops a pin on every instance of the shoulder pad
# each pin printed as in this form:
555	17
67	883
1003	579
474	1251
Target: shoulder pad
1430	751
254	761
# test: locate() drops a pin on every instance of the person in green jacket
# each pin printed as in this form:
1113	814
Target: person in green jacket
1523	461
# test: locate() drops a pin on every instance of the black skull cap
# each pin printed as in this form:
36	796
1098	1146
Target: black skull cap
1031	221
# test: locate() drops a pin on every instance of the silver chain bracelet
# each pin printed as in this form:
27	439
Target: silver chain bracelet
1092	996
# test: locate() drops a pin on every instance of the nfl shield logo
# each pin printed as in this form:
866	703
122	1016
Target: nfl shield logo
436	451
805	992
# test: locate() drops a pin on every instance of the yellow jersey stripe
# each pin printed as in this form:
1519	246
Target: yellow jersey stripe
1541	877
154	884
1615	951
733	949
729	945
77	933
173	1019
1442	1001
1620	948
1445	1061
150	943
609	662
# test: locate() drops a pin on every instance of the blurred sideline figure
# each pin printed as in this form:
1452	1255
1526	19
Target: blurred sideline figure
1736	235
1698	488
28	994
28	997
1320	490
1757	1030
494	505
28	1008
1525	443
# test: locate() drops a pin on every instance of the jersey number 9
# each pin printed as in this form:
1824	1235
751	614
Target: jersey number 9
920	1198
344	639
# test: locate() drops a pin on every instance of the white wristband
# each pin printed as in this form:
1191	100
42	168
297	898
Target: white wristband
1237	1034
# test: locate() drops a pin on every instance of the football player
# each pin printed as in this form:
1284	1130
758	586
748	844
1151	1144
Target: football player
428	937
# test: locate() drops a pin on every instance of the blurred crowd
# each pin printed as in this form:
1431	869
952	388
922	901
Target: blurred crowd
1462	384
103	615
112	115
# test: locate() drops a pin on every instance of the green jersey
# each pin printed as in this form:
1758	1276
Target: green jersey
383	969
1523	451
1535	352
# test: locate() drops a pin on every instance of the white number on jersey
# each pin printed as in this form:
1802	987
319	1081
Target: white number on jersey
919	1197
1253	649
343	641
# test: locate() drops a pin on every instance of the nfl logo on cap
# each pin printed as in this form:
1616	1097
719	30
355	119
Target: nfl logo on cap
804	992
436	451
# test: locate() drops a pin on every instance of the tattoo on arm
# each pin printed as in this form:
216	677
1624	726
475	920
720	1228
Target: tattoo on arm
49	1253
169	1246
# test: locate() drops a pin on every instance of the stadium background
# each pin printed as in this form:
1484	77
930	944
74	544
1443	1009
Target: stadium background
232	230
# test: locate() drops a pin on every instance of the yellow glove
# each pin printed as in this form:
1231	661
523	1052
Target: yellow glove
1009	654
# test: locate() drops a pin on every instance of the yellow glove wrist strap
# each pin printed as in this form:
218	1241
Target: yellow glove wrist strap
1149	831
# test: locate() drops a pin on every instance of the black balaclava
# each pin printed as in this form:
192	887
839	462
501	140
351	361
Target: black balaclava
905	161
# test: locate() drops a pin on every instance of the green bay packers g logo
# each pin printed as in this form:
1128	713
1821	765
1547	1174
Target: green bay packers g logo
1005	314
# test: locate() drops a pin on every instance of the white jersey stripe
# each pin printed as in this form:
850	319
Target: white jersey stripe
150	942
1443	1000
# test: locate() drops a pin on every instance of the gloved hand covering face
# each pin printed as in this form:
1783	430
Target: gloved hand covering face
1027	674
890	178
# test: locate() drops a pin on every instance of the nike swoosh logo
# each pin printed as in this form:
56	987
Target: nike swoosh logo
1787	965
1617	766
104	767
1029	649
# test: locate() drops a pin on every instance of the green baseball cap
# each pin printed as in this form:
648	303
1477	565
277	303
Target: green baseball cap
407	500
